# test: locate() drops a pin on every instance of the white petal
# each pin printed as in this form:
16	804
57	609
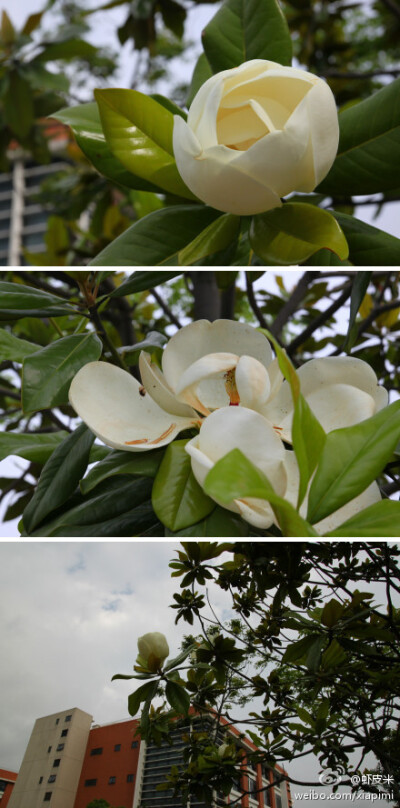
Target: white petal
157	387
111	402
324	127
214	177
205	381
252	382
202	338
331	522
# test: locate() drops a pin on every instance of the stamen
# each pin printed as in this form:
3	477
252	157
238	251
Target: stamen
231	389
136	442
164	434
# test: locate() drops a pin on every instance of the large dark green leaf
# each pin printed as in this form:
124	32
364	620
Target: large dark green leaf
15	349
141	281
291	234
177	497
17	301
85	123
247	29
141	694
235	477
177	697
119	507
60	476
33	447
351	460
157	238
139	464
47	374
367	160
18	105
381	519
358	291
368	246
217	236
219	523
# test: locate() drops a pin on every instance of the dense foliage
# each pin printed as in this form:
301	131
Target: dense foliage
55	323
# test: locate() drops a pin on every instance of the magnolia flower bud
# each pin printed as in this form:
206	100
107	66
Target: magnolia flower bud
255	133
153	651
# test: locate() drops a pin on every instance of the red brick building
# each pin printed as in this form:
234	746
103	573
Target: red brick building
7	780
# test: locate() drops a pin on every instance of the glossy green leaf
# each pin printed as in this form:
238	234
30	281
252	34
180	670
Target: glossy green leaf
290	234
235	477
247	29
144	464
33	447
368	246
177	697
14	349
142	281
202	72
177	498
85	123
18	105
219	523
66	50
119	507
47	374
138	131
17	301
140	695
353	458
380	519
358	291
217	236
367	159
153	342
158	238
60	476
308	439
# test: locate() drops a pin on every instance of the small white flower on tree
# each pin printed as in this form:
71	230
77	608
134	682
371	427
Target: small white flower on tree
153	651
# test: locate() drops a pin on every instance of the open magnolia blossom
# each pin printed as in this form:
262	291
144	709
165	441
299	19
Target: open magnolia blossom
153	651
244	429
206	366
255	133
341	391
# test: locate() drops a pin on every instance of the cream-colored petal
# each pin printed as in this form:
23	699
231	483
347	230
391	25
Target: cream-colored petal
324	128
202	338
370	496
210	365
216	179
341	370
111	402
156	386
205	381
252	382
240	428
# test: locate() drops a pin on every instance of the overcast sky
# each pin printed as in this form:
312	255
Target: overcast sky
71	614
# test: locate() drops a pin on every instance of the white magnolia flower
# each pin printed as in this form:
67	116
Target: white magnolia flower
153	650
341	391
255	133
240	428
204	366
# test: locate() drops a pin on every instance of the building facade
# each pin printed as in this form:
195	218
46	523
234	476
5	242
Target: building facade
69	762
7	782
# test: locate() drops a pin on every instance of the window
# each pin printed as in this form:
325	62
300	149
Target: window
49	750
68	717
117	747
40	780
52	778
112	781
278	800
56	763
134	744
252	789
97	751
64	733
57	720
90	782
130	778
47	796
60	747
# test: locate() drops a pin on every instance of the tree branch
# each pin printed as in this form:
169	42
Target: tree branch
293	302
319	321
